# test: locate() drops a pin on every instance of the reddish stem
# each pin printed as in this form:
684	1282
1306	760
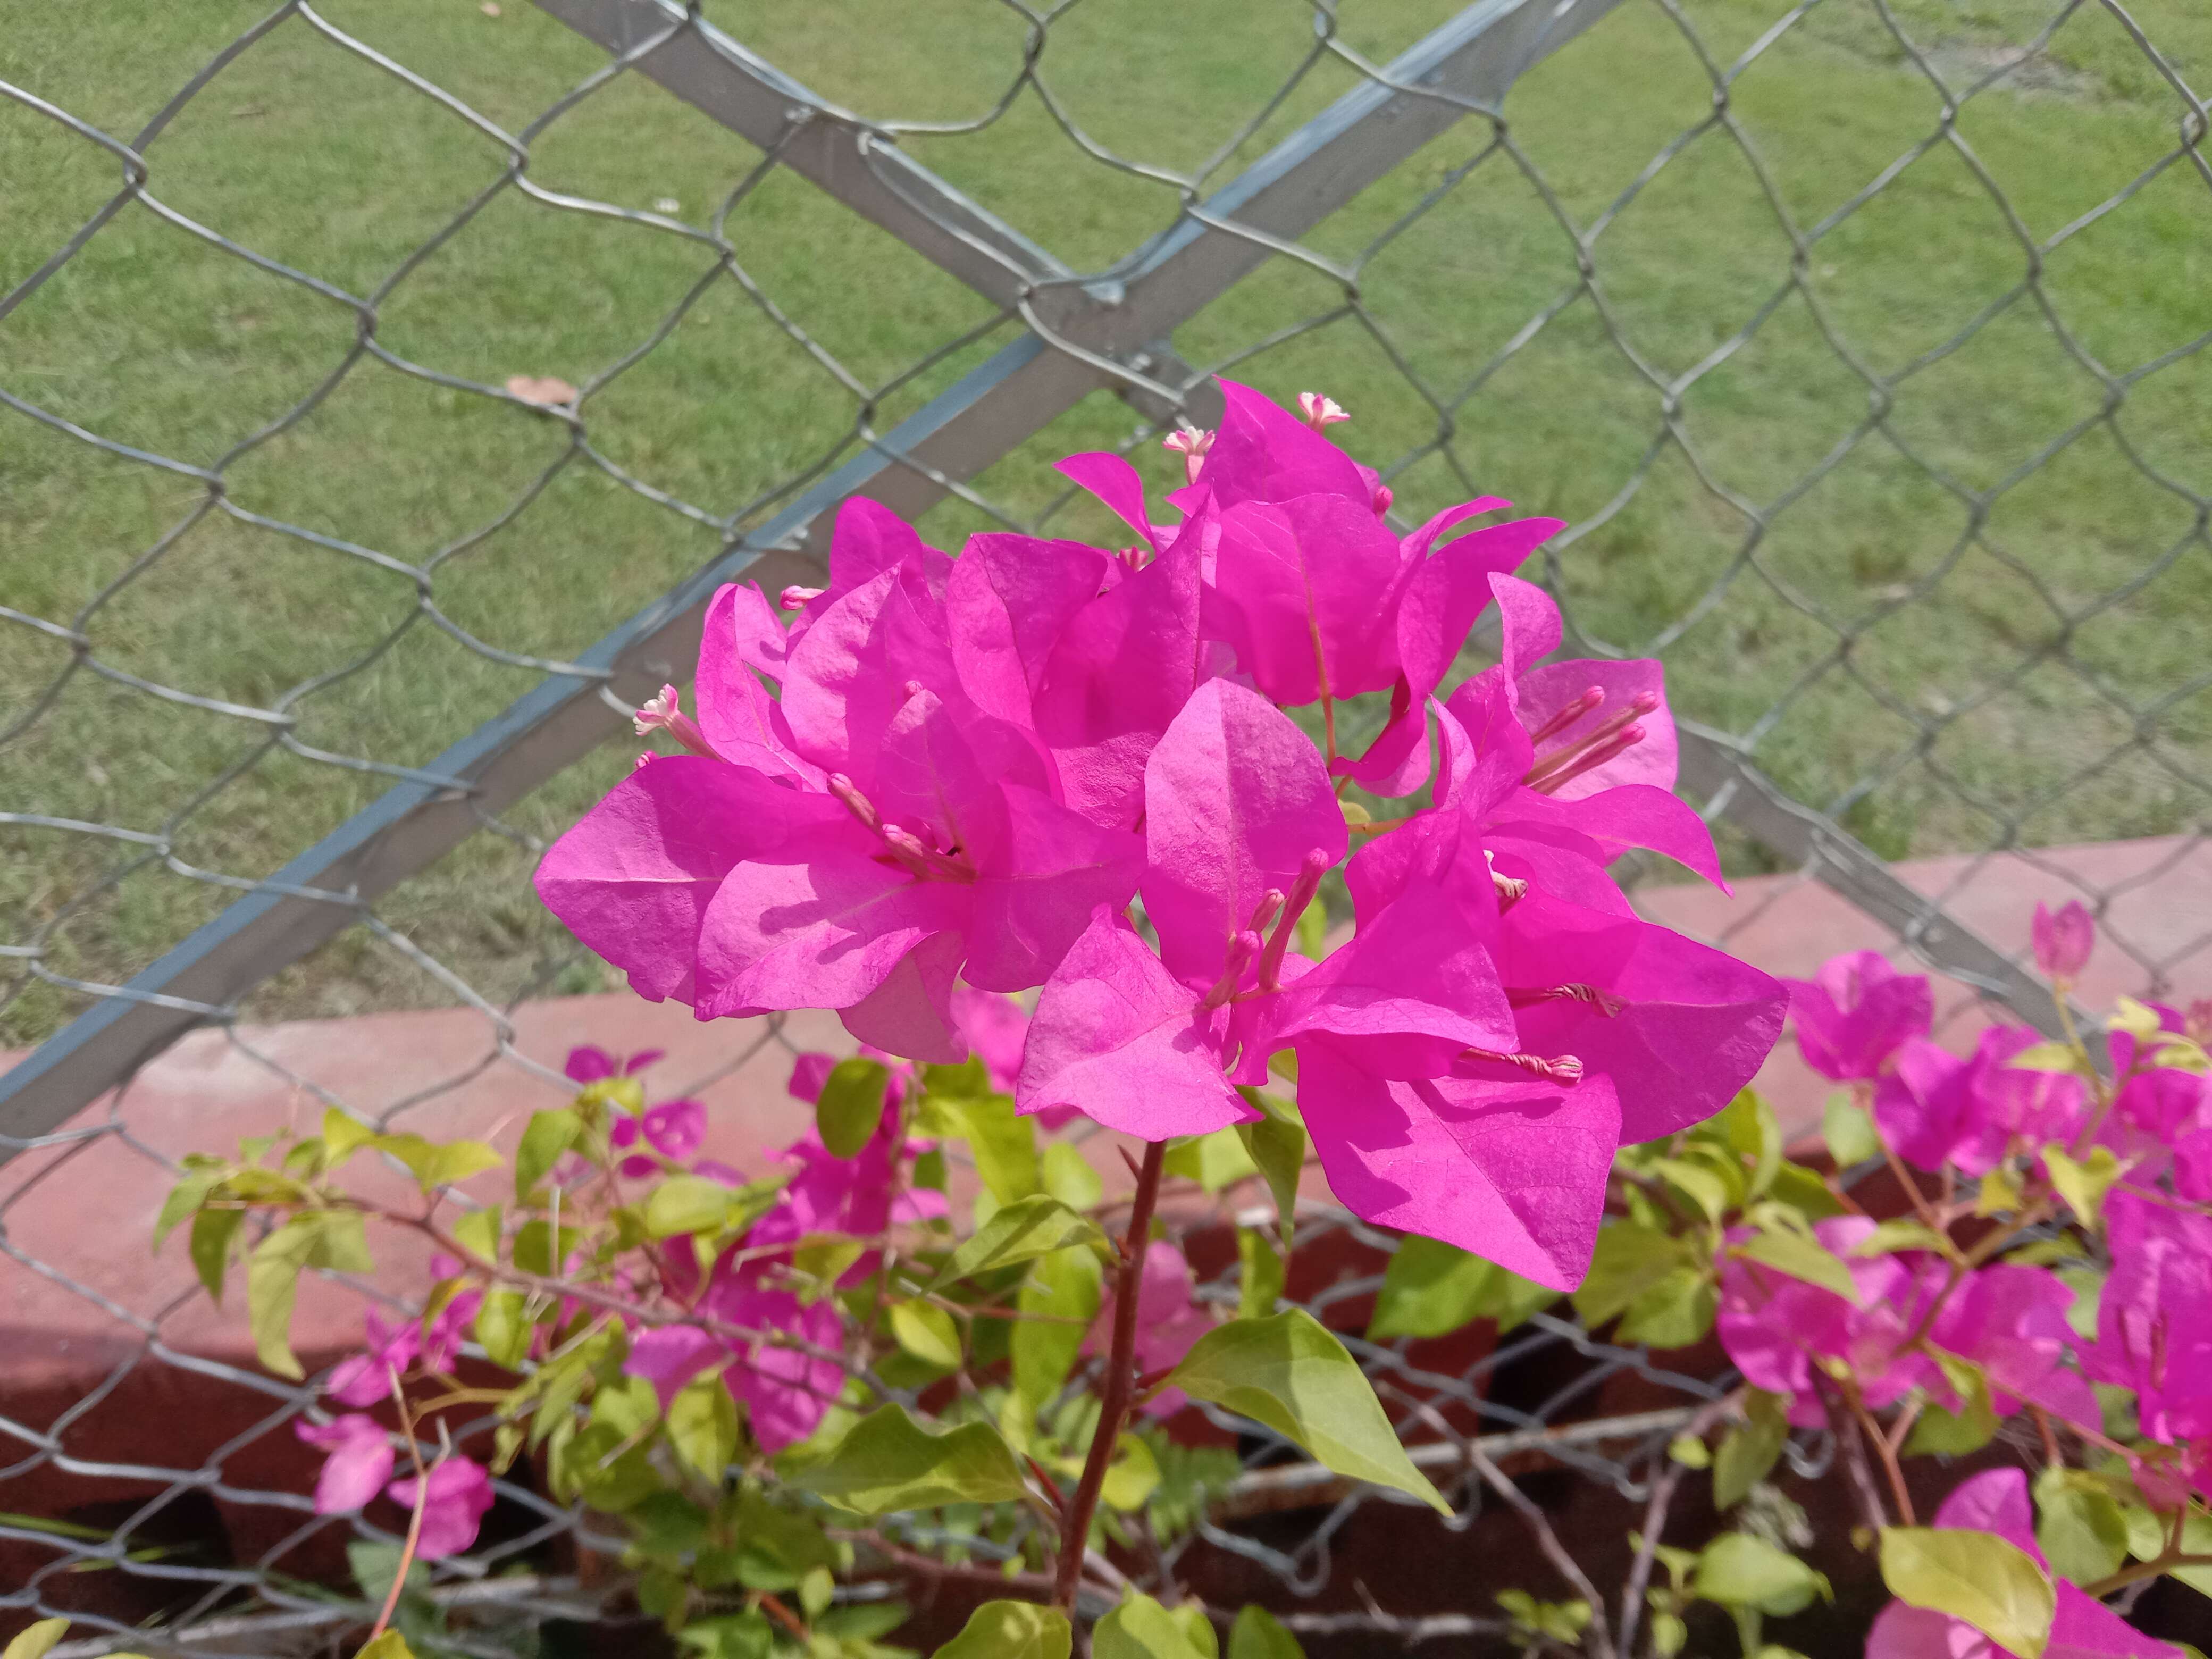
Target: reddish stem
1121	1363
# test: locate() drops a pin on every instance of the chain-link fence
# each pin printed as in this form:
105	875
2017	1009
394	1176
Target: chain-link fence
387	387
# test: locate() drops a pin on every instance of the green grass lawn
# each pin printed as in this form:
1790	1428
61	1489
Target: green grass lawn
312	156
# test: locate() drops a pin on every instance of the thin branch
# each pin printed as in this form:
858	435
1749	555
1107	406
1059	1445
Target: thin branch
1114	1403
1600	1632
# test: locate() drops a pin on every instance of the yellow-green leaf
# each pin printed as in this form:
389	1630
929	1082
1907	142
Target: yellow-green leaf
548	1135
1848	1128
478	1232
1213	1161
1431	1289
1991	1584
503	1327
1020	1232
1258	1634
317	1238
686	1204
1739	1571
703	1426
1132	1478
851	1105
1749	1451
1277	1146
1066	1285
214	1232
33	1640
1890	1236
888	1461
389	1645
343	1136
1140	1628
2080	1525
1288	1372
1012	1629
1628	1260
2083	1184
2048	1057
927	1333
1801	1257
1260	1274
1069	1177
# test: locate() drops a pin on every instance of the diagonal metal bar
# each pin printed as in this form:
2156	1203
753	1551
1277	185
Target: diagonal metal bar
1466	64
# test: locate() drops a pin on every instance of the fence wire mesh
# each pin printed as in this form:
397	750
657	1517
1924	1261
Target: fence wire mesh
371	443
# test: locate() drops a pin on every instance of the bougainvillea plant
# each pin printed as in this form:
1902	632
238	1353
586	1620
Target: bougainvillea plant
1040	825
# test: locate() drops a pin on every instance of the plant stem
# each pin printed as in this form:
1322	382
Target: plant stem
1114	1403
414	1520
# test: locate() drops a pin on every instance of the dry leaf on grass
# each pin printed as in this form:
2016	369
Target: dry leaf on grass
548	390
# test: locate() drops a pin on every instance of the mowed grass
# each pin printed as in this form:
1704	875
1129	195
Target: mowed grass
1882	657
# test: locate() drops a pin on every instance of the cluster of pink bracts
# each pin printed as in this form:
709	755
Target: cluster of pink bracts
1860	1021
948	769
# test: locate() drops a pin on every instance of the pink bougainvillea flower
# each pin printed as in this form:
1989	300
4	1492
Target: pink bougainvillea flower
456	1493
1856	1012
2156	1107
359	1461
1996	1501
1241	824
675	1129
2063	941
1171	1320
1777	1329
1935	1109
2154	1317
364	1378
588	1063
2011	1321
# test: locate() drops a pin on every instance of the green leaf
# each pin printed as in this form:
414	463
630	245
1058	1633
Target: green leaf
1749	1451
746	1635
343	1135
538	1251
816	1590
1739	1571
1004	1146
1805	1192
1277	1146
929	1168
1070	1178
1259	1274
33	1641
549	1135
1801	1258
1291	1374
822	1259
1669	1634
1627	1261
389	1645
1140	1628
1848	1128
851	1105
1890	1236
1213	1161
1023	1230
503	1326
1674	1312
185	1199
1012	1629
1431	1289
1132	1478
927	1333
1066	1284
478	1232
213	1233
1700	1183
2048	1057
1939	1429
317	1239
1690	1452
703	1426
2080	1525
438	1163
1747	1123
1258	1634
1978	1576
687	1204
2083	1185
888	1461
